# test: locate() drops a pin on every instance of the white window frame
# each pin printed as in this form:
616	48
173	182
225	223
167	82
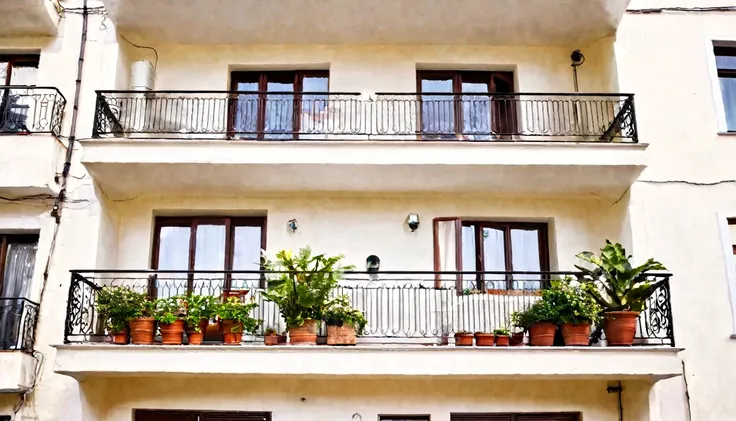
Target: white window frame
716	83
727	247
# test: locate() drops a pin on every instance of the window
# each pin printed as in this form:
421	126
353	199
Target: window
403	418
16	104
463	104
206	243
278	105
726	64
515	417
484	246
156	415
17	261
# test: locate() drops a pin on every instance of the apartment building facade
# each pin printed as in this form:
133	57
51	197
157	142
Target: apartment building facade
183	140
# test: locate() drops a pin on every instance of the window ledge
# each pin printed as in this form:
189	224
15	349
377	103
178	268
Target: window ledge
726	133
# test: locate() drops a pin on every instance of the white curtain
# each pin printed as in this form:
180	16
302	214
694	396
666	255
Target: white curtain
494	257
469	258
728	88
525	257
173	254
19	264
246	256
209	255
447	240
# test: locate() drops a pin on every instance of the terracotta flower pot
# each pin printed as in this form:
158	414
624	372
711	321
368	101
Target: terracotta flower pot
503	340
194	337
271	340
282	339
576	334
142	331
232	332
120	338
463	339
172	333
484	339
517	339
542	334
620	327
341	335
305	334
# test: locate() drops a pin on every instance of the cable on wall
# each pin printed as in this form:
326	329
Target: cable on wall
710	9
155	64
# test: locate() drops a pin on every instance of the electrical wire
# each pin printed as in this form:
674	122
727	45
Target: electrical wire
707	9
155	65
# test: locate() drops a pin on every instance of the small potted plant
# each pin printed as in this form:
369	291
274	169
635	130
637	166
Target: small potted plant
626	289
483	339
576	309
117	305
270	337
168	313
199	310
502	336
463	338
235	320
520	321
343	322
542	317
142	325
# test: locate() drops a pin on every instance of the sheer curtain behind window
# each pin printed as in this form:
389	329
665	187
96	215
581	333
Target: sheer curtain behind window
209	255
173	254
494	257
20	260
525	258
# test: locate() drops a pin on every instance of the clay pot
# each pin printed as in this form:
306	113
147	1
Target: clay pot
271	340
282	339
620	327
503	340
576	334
120	338
306	334
463	339
341	335
194	337
172	333
484	339
232	332
517	339
142	331
542	334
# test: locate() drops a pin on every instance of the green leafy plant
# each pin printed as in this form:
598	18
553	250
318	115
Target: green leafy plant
270	332
502	332
521	320
624	287
302	289
167	310
239	312
572	302
118	305
541	311
341	313
198	308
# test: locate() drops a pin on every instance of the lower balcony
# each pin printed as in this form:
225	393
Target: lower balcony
412	319
18	318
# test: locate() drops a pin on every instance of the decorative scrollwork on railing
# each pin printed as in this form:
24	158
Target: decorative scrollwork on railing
27	109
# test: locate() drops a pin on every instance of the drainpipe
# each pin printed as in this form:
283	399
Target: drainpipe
56	210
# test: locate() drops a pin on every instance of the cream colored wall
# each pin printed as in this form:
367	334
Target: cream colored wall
328	399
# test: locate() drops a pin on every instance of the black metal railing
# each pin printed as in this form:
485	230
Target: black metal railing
31	109
18	318
421	306
395	116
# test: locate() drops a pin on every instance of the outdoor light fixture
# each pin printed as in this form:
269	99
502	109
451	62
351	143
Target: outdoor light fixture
292	224
413	221
372	263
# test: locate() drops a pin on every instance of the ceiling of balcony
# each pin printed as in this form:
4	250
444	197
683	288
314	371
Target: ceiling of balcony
28	18
440	22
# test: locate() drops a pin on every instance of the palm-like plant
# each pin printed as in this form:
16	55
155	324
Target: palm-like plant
625	288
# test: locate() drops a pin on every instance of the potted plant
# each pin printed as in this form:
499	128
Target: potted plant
270	337
463	338
168	312
520	321
117	305
235	320
199	310
142	325
302	290
502	336
625	289
542	319
483	339
576	310
343	322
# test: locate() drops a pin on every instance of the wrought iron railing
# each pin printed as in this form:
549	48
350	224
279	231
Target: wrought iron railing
31	109
350	116
399	306
18	318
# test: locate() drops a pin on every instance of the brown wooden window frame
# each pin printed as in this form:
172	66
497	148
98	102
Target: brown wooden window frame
198	415
516	416
5	240
404	418
506	226
193	222
262	77
18	60
503	115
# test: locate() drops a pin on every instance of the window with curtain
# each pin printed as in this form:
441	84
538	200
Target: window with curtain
17	262
468	105
277	104
207	243
726	64
487	246
16	105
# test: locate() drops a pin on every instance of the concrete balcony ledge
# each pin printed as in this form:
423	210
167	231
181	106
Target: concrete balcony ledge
105	360
16	371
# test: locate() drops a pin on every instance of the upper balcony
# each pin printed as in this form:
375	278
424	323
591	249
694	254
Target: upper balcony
18	317
30	122
20	18
379	22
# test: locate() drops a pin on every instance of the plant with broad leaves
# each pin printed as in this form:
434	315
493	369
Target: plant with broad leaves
624	287
239	312
117	305
198	308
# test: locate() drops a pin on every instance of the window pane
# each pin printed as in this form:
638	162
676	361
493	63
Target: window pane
438	111
476	111
469	257
279	110
314	117
246	111
728	89
246	256
726	62
209	255
173	254
494	257
4	72
525	258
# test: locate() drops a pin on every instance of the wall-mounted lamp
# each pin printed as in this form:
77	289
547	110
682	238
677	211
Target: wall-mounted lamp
292	224
372	263
413	221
